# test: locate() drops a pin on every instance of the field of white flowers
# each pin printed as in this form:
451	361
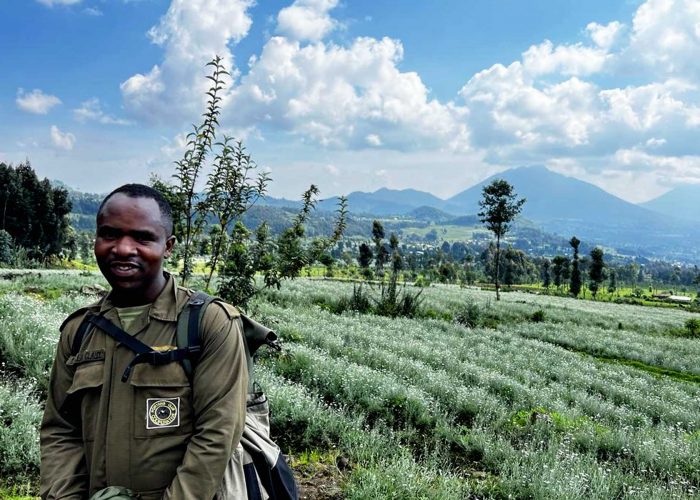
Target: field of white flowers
543	397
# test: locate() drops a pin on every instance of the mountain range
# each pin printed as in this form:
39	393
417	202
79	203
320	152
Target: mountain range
560	206
564	206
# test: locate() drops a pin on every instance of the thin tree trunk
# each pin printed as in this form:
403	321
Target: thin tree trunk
216	252
498	264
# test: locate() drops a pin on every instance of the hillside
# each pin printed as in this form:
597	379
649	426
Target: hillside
680	202
568	206
557	208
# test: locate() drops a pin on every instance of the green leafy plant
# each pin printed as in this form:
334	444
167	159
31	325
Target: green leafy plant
538	316
468	315
237	252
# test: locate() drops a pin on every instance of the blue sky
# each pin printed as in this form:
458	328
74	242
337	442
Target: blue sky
358	95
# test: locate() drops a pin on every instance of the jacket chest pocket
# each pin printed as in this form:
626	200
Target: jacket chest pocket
83	397
162	401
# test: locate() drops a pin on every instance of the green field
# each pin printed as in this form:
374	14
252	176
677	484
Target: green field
543	397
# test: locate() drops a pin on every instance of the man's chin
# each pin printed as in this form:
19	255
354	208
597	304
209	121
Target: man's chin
118	283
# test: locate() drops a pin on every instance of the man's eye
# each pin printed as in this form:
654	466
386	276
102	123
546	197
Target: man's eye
107	234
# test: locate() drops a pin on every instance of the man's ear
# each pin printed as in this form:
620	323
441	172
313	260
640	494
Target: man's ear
169	244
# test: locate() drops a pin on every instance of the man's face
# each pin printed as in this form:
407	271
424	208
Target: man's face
130	246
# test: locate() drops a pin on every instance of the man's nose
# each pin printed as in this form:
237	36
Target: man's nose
124	246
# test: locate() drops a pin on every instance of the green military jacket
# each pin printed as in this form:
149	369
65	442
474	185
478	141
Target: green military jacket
159	433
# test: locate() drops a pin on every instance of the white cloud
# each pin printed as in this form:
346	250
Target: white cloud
605	36
343	96
643	108
62	140
307	19
92	11
570	60
627	86
51	3
174	148
507	110
91	110
655	142
192	32
666	36
36	101
373	140
534	110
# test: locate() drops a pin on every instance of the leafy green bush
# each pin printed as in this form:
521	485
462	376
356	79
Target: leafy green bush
469	315
359	300
692	327
537	316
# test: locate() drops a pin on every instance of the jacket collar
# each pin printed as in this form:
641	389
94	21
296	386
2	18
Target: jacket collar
164	308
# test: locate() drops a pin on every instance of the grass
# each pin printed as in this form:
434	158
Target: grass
20	413
531	397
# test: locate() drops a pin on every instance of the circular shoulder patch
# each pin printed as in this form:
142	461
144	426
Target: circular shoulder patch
162	413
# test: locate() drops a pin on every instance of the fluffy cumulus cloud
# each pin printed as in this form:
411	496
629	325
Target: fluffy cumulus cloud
91	110
345	97
307	19
605	36
62	140
666	37
551	106
569	60
36	101
191	33
352	96
555	104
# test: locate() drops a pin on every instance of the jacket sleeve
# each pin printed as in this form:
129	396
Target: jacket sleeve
63	469
219	389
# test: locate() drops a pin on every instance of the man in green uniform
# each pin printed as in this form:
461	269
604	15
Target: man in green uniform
158	433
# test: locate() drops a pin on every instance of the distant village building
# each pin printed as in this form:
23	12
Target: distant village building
669	297
681	299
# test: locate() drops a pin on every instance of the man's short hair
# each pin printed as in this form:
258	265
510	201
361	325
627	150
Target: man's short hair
143	191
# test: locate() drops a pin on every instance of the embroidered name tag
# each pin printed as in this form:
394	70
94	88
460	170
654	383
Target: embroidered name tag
87	356
162	412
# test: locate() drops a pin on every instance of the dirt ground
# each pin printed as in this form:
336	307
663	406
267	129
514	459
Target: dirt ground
320	480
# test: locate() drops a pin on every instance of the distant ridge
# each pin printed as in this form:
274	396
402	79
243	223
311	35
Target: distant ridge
682	202
556	204
567	206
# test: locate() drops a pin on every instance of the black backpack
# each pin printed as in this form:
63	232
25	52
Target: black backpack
259	471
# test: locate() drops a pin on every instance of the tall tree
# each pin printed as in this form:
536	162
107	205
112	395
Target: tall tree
365	259
34	213
380	253
596	270
560	265
230	192
199	144
396	258
575	286
226	197
6	248
546	279
612	284
499	206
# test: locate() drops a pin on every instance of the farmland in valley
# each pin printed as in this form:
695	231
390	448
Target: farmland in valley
536	397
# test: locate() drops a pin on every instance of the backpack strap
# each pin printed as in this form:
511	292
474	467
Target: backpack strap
188	326
188	335
144	353
80	335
